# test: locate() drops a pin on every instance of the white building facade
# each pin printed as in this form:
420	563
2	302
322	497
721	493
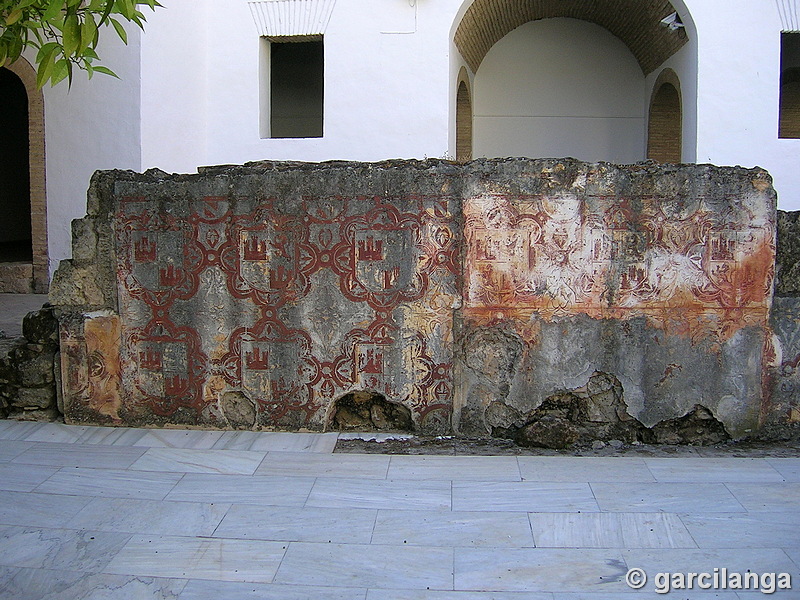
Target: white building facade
231	81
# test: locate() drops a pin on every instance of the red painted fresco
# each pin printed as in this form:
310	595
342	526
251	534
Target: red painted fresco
255	297
216	297
688	268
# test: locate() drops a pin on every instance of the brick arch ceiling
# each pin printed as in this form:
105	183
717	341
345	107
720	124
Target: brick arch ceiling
635	22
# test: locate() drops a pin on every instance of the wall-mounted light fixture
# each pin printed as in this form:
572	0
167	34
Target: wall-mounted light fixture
673	22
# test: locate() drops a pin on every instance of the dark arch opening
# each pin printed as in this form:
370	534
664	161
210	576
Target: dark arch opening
665	126
15	196
463	124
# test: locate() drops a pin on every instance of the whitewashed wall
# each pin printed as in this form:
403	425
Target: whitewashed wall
560	87
738	91
94	124
386	85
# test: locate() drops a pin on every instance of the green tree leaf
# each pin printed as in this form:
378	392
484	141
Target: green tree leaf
88	33
64	33
71	34
105	71
14	16
123	35
53	10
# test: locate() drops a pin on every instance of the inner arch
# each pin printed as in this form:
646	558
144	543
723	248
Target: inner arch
636	22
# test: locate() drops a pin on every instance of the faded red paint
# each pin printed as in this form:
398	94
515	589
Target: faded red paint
687	269
398	264
91	366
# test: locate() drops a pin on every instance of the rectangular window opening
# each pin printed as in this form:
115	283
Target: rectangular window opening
789	125
293	75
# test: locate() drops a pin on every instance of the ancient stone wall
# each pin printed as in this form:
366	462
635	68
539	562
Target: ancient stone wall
783	386
29	370
502	297
658	276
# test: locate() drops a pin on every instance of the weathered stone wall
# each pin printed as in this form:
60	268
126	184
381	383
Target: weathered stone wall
489	298
783	386
659	276
259	296
28	372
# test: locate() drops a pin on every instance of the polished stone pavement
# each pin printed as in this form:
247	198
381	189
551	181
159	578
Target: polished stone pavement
104	513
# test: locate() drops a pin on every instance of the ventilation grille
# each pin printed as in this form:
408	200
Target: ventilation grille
789	15
291	18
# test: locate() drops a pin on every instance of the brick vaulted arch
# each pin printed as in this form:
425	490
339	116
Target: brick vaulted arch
463	119
635	22
665	122
34	276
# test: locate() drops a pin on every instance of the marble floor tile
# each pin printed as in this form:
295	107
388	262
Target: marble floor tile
227	590
497	468
760	529
190	460
23	478
369	566
448	595
6	575
196	439
447	528
280	441
46	584
18	430
286	523
80	455
645	595
794	554
793	594
58	548
740	560
363	466
665	497
707	470
583	468
59	433
112	436
766	496
242	489
39	510
198	558
540	570
236	440
111	483
789	468
9	449
368	493
524	496
150	517
609	530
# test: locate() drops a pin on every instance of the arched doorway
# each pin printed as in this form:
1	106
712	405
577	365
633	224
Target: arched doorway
555	77
463	123
560	87
15	226
665	121
23	229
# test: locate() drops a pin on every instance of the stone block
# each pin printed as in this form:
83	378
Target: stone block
35	398
40	327
37	371
468	295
